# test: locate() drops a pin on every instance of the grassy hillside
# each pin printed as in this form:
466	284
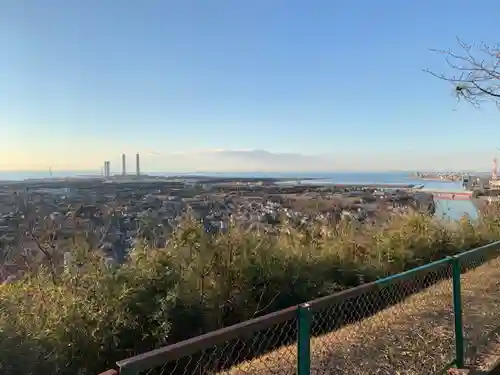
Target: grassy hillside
91	317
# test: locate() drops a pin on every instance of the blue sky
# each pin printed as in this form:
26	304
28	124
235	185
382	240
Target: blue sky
83	81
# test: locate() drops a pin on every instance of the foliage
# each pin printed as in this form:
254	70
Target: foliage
94	314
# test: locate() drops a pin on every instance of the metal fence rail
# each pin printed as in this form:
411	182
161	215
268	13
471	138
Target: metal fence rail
422	321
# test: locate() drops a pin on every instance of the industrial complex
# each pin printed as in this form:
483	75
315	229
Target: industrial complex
106	171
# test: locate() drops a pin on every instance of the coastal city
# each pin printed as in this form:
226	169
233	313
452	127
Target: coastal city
249	188
118	212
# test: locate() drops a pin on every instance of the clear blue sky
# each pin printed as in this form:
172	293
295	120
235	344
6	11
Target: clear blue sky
82	81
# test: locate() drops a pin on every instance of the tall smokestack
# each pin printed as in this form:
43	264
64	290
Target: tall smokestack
107	172
137	165
124	165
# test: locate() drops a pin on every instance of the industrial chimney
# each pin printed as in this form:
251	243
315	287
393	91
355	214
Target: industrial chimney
137	165
124	165
107	172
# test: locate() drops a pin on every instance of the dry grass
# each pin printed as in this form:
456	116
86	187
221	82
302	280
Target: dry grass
481	318
486	358
412	337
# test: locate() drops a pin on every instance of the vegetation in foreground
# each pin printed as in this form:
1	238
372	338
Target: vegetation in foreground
82	320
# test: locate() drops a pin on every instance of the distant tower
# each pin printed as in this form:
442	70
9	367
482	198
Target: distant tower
107	172
494	169
137	165
124	165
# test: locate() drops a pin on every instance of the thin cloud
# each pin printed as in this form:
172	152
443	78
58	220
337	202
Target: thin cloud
262	160
225	160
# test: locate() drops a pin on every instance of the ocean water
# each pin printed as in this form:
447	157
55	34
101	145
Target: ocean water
445	208
361	177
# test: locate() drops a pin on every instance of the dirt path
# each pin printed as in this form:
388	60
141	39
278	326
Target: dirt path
412	337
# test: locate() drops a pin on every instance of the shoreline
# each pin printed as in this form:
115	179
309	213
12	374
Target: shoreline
382	185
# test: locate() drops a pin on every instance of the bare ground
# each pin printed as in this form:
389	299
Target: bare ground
412	337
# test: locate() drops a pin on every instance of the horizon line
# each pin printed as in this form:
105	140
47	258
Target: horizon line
94	171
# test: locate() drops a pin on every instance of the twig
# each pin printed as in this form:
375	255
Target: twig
260	310
49	259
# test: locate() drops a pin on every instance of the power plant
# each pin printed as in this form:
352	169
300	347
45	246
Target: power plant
106	171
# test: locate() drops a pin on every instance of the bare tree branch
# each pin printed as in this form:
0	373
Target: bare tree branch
48	256
476	72
258	309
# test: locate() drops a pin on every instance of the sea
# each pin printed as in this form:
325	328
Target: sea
447	209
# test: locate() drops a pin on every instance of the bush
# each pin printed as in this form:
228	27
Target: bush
95	315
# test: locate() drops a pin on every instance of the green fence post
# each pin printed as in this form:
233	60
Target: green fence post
304	339
126	371
457	311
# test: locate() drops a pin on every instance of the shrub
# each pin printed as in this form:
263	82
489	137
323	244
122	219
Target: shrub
94	315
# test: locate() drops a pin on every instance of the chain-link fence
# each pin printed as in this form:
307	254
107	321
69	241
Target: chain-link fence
265	345
416	322
390	328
